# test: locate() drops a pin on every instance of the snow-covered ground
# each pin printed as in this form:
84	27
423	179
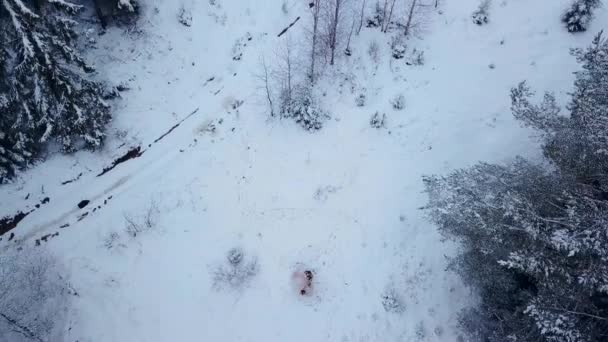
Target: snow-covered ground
343	202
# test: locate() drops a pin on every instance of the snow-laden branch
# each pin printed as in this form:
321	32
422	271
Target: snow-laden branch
23	9
28	49
68	5
126	4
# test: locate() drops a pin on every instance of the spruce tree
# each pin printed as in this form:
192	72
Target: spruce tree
47	92
580	14
534	237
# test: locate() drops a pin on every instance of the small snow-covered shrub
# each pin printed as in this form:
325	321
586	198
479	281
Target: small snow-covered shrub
237	272
398	51
111	240
373	51
284	7
480	16
135	225
579	15
309	116
360	100
305	110
378	120
376	19
398	102
421	331
392	301
398	48
184	16
235	256
34	296
416	58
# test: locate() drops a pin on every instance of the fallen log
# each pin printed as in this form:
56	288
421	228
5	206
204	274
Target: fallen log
288	27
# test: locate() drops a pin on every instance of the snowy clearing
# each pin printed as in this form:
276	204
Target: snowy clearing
343	202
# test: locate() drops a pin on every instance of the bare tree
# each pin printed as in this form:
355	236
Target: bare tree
387	22
350	35
334	19
315	10
415	15
362	15
281	79
265	80
384	9
410	17
285	74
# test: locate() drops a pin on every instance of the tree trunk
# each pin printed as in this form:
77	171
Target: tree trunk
362	15
350	34
334	31
390	16
22	329
315	7
383	15
410	16
100	15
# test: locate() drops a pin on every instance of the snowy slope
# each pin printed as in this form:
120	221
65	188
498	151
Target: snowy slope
343	202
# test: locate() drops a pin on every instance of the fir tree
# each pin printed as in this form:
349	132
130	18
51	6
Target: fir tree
580	14
46	90
534	241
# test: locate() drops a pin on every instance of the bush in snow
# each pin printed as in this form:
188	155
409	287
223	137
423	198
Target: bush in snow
421	334
112	240
237	272
534	242
398	51
184	16
33	296
416	58
304	109
135	225
360	100
398	102
480	16
378	120
580	14
377	16
373	51
392	301
46	91
398	47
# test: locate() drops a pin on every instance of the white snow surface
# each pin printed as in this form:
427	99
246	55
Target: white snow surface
343	202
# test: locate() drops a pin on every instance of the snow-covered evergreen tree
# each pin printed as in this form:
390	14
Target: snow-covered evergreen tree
580	14
45	92
534	238
577	144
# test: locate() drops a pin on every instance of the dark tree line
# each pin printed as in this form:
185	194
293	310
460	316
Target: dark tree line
535	237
